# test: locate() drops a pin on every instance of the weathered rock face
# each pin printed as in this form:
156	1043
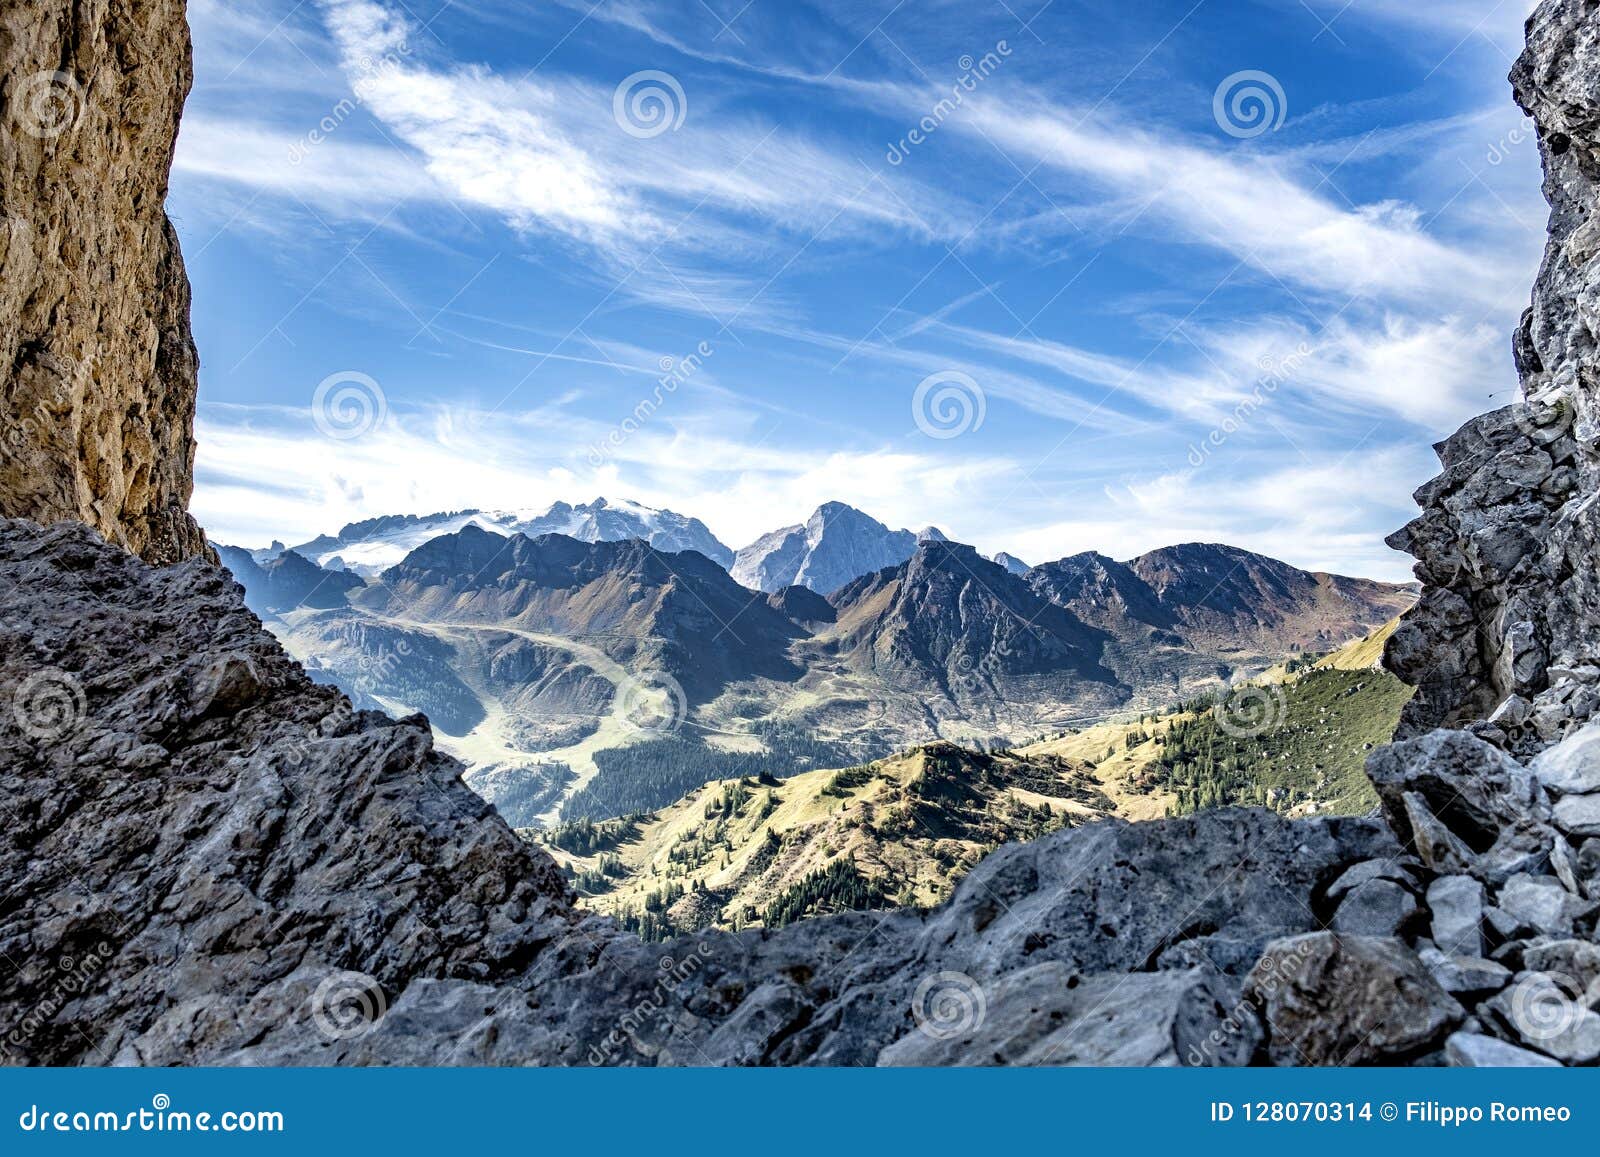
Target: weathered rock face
1509	533
97	367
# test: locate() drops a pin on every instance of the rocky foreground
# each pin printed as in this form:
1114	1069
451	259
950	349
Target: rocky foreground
208	859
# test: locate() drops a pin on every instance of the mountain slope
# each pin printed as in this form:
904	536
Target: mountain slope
836	544
755	850
950	618
676	613
759	851
287	582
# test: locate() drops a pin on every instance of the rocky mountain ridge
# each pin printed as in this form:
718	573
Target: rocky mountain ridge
373	544
533	642
836	544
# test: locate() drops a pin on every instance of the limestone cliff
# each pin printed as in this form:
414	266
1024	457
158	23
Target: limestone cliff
97	367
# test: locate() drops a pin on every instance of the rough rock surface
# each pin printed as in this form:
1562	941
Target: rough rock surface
1508	534
208	858
97	367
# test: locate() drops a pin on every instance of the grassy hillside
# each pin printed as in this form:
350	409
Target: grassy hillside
757	850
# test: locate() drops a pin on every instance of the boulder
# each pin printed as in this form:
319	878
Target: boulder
1455	904
1049	1015
1348	1000
1476	1051
1573	765
1579	815
1375	908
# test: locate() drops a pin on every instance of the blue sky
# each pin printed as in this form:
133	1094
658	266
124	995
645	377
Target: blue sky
443	251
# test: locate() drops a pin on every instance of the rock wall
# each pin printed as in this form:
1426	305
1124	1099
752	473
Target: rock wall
1509	621
97	367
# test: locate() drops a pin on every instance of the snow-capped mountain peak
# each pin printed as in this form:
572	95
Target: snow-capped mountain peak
374	544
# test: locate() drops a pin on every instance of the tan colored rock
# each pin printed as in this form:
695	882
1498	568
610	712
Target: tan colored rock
97	366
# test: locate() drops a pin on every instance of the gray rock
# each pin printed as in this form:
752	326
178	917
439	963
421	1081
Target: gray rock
1464	976
1386	869
1477	1051
1456	905
1450	782
1375	908
1337	1000
1047	1015
1549	1013
1579	959
1579	815
1573	765
1538	903
1564	862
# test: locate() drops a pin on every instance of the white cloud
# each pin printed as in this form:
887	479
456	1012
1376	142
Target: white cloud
1249	204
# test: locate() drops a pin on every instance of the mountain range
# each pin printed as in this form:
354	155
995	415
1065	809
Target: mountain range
598	676
368	546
